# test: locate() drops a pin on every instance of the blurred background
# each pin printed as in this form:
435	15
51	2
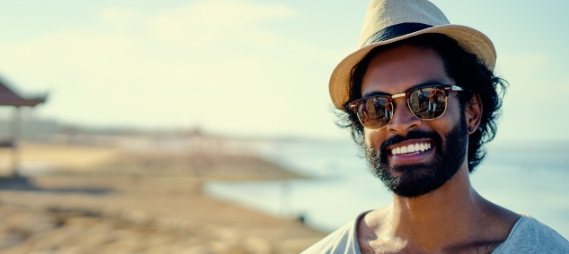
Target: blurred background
205	126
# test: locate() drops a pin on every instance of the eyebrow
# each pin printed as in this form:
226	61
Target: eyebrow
374	93
427	83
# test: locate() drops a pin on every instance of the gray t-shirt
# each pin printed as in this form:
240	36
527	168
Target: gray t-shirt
527	236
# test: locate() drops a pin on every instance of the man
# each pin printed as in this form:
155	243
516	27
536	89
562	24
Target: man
421	99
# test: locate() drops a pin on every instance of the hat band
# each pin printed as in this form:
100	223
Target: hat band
396	30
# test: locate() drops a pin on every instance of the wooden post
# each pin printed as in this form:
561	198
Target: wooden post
15	135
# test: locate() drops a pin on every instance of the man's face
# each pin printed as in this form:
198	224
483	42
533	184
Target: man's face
442	141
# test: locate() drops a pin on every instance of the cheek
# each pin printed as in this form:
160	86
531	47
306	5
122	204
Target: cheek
454	111
373	138
452	118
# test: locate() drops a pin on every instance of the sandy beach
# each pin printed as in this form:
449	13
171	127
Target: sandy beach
103	199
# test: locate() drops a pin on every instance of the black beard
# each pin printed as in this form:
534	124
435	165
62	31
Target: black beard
420	179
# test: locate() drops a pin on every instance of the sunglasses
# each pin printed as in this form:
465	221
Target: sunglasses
426	102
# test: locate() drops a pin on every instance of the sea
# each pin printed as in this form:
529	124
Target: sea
530	178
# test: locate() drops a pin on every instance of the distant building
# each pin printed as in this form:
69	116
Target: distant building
9	97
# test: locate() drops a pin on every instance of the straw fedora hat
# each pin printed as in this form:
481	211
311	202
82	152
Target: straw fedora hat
389	21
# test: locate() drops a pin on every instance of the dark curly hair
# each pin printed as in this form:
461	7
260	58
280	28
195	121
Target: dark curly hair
463	67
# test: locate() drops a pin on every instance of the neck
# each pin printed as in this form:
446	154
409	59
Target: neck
448	214
452	218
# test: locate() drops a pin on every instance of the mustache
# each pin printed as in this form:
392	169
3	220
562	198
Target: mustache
410	135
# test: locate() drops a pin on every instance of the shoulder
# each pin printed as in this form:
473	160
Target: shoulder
531	236
342	241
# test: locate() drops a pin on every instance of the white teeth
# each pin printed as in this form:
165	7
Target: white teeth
397	150
412	148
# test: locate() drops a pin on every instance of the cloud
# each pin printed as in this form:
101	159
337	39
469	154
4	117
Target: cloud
534	97
217	22
201	62
526	63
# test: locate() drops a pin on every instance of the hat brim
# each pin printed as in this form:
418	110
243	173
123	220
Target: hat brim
468	38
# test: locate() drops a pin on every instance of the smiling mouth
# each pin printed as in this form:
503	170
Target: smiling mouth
411	148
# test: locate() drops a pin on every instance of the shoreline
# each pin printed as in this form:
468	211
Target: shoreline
145	203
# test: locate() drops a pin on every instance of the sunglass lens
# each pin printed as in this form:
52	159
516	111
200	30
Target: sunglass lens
375	112
427	103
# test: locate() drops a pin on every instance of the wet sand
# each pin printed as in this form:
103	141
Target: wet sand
108	200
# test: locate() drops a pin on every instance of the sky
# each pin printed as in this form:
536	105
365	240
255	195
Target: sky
252	67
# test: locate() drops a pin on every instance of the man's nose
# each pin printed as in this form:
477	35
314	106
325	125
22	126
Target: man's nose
403	119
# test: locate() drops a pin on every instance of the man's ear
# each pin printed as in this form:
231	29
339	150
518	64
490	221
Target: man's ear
473	113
